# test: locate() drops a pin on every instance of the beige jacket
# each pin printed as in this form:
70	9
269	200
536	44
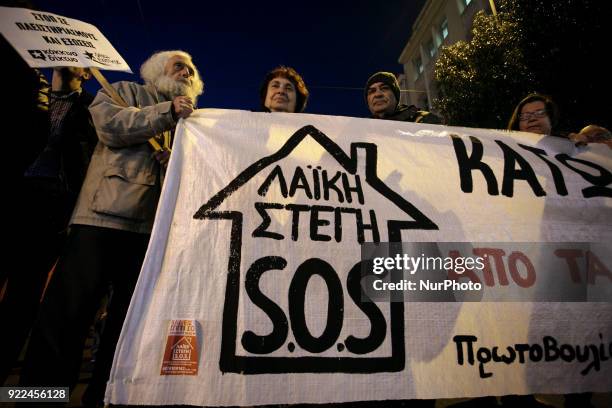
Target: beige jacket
123	181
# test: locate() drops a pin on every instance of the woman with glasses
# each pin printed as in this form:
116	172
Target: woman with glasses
538	113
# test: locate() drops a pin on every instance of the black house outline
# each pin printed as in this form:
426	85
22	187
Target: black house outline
183	339
229	361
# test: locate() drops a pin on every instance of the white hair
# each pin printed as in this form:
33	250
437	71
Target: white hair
152	72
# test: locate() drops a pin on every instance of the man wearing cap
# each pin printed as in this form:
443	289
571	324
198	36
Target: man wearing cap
382	94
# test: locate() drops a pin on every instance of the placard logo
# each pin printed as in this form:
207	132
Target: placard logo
181	352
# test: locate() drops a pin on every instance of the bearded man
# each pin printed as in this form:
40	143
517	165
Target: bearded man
111	223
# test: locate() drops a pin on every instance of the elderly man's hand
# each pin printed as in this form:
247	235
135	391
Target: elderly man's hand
592	134
162	156
182	106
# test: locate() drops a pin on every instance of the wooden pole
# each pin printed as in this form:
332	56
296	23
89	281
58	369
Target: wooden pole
494	10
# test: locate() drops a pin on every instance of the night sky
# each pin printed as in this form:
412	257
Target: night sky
334	45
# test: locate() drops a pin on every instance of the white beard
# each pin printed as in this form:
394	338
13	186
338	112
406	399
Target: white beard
172	88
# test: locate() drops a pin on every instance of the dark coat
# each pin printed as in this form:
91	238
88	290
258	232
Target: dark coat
403	114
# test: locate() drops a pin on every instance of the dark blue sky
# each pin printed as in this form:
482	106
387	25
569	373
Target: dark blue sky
334	44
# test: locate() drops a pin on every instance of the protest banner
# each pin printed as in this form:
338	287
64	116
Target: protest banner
251	291
46	40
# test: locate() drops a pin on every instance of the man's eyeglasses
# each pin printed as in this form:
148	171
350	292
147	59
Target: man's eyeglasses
535	114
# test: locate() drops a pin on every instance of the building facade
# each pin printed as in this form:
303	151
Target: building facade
440	22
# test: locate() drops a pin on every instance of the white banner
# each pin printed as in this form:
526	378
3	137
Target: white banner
249	293
46	40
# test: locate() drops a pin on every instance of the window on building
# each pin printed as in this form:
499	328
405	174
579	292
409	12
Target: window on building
431	49
463	5
444	29
437	40
418	67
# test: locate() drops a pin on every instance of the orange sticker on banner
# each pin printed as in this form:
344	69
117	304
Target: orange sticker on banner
181	353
